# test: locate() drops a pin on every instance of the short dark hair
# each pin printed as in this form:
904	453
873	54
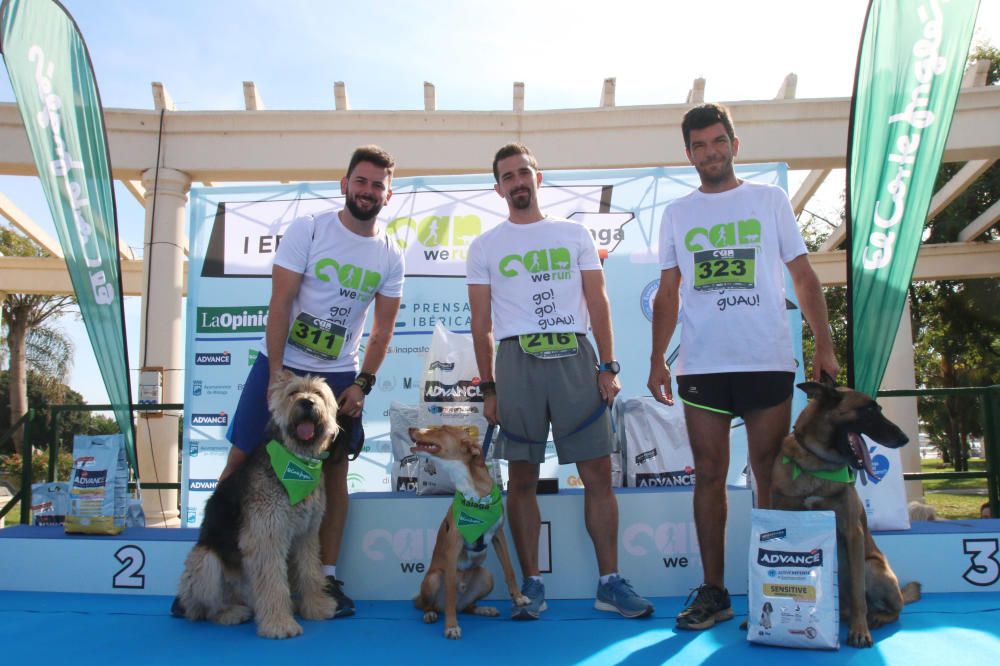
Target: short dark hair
510	150
375	155
704	116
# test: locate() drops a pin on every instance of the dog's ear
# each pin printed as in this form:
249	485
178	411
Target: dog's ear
825	377
821	391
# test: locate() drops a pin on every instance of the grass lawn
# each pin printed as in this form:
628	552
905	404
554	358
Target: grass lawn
954	505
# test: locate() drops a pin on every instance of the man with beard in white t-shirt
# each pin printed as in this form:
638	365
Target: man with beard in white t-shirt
723	248
536	285
328	270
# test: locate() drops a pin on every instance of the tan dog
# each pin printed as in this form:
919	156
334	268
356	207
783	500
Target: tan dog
257	549
825	439
456	578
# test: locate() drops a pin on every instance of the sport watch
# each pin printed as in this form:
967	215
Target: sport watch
611	366
365	381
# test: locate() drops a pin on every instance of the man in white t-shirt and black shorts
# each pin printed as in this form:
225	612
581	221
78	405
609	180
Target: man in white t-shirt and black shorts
723	248
328	270
536	285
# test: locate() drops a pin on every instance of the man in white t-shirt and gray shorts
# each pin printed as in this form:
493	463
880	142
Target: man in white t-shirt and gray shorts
723	248
536	285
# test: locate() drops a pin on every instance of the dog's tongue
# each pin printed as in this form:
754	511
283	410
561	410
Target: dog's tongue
861	452
305	430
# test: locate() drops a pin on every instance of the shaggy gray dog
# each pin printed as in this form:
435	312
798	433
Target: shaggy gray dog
258	550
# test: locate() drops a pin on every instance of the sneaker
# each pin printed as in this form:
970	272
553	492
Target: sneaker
535	591
345	605
711	605
618	596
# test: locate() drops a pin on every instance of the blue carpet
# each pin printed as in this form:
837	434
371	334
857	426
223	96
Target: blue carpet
947	629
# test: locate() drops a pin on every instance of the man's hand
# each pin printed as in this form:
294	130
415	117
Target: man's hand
608	385
824	360
490	408
659	382
352	400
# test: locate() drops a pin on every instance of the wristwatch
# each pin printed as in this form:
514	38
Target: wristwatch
365	381
611	366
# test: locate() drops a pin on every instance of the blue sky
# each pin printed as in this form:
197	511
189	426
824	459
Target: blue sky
471	50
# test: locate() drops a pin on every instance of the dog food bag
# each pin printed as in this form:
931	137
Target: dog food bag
656	449
49	503
450	395
792	599
99	485
404	464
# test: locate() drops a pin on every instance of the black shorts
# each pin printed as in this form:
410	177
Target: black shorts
735	393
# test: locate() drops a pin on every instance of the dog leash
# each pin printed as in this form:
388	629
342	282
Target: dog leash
488	439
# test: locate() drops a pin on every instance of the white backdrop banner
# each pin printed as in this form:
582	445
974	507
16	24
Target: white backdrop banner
235	231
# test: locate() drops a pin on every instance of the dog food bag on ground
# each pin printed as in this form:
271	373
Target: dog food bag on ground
98	486
792	599
49	503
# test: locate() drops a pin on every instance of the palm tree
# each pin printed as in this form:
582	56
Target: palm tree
28	339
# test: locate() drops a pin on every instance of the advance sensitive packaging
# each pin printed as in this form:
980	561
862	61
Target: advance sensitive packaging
99	485
793	599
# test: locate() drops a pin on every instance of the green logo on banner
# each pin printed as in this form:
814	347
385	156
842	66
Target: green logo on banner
909	72
60	106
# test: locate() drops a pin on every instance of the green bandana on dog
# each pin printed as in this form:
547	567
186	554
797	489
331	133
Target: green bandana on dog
299	476
840	475
474	519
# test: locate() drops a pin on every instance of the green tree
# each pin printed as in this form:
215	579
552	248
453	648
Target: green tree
24	319
956	323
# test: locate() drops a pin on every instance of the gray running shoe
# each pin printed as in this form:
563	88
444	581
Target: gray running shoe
535	591
617	596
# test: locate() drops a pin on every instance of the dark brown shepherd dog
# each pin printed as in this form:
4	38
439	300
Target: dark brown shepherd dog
827	439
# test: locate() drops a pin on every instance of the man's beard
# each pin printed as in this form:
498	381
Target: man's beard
725	174
519	202
360	214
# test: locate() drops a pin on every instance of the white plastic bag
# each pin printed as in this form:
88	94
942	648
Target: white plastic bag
656	448
885	496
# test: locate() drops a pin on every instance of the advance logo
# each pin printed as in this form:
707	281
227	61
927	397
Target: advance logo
460	392
220	419
207	485
782	558
213	358
680	477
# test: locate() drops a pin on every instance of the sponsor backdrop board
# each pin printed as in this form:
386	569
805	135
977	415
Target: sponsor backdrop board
235	230
390	537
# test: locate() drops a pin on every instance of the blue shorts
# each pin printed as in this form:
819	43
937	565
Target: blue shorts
248	429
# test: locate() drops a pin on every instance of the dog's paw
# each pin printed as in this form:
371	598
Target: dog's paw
235	614
859	637
520	599
317	607
430	617
486	611
283	628
454	633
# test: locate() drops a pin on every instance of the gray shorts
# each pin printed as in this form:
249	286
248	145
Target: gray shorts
534	392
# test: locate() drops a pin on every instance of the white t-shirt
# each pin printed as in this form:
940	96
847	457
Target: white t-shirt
341	273
731	248
533	271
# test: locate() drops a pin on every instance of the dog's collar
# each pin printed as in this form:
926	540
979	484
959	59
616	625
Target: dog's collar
843	474
474	518
300	476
